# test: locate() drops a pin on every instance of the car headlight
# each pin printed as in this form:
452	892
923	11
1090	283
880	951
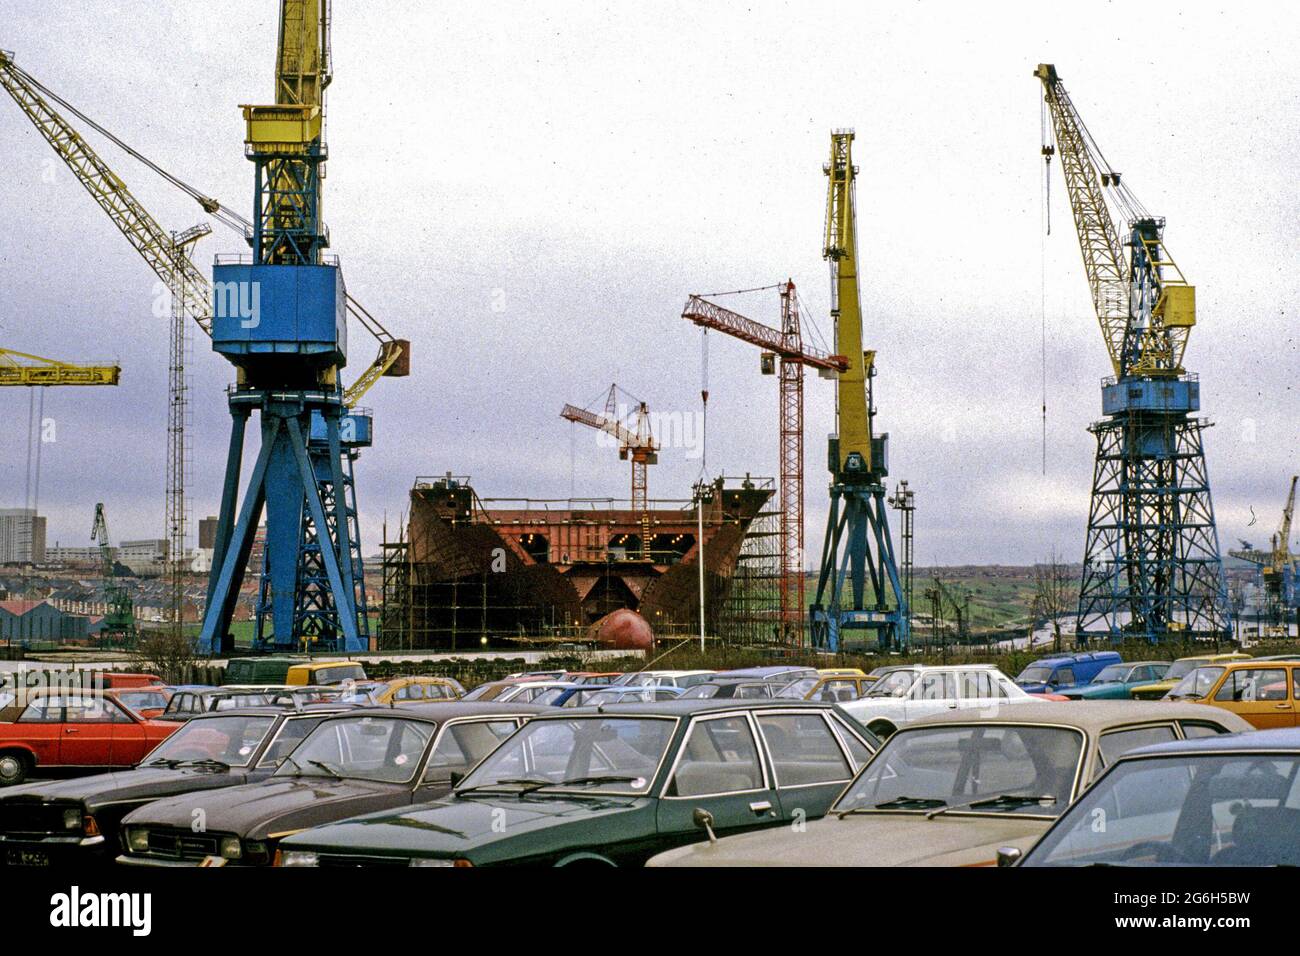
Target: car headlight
231	848
297	858
137	840
72	818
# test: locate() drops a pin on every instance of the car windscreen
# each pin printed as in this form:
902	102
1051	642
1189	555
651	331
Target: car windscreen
1112	674
596	753
799	689
1196	683
139	700
338	673
230	739
998	769
1180	669
1188	809
1034	674
893	684
382	749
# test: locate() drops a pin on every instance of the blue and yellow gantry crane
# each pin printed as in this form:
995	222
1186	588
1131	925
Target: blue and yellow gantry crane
1151	565
279	316
858	550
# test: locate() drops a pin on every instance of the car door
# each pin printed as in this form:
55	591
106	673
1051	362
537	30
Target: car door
719	769
130	742
1261	695
808	762
934	692
40	726
461	745
87	732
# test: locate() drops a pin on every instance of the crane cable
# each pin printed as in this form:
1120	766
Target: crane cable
218	210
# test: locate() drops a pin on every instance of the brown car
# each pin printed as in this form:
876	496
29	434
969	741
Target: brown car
951	790
353	763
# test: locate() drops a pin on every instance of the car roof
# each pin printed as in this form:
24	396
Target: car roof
439	712
1235	655
760	671
686	707
1279	738
1253	661
1092	716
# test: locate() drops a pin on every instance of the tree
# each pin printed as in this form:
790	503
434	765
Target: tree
1054	593
166	653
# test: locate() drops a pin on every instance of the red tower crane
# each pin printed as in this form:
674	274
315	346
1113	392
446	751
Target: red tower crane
785	343
637	444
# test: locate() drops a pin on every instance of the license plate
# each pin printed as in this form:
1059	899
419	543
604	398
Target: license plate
27	858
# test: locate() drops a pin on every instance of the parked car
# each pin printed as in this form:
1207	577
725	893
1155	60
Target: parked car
260	670
400	690
682	679
613	787
1177	671
351	763
527	692
189	701
835	688
949	791
742	689
537	675
641	693
77	821
119	680
909	693
67	730
1217	801
842	672
1264	693
593	677
1056	673
778	673
1114	681
324	673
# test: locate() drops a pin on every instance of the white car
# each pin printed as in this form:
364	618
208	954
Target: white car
910	693
681	679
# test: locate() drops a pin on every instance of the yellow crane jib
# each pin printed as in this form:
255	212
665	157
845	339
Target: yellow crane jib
20	368
854	458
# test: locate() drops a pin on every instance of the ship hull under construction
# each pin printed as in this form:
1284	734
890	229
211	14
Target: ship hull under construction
473	571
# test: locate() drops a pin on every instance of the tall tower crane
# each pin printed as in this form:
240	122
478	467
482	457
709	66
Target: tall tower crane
119	621
1277	565
19	368
1151	567
636	444
858	547
786	344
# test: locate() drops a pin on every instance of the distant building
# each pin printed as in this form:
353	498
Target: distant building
22	536
28	622
88	557
207	533
148	556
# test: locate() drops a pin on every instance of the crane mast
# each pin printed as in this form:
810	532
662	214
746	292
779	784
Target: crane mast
1151	566
118	627
858	549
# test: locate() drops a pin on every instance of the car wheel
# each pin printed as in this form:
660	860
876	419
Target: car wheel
13	769
881	728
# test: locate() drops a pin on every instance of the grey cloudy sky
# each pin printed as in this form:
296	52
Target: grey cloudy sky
529	191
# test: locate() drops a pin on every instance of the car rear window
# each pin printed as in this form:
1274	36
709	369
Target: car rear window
804	749
1118	742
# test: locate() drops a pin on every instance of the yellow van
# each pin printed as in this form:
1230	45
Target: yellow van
324	673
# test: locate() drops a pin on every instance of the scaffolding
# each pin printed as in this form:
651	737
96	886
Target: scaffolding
751	611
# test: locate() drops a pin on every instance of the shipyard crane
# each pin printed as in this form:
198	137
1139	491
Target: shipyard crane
20	368
192	295
636	443
119	617
858	548
786	344
1277	565
1152	567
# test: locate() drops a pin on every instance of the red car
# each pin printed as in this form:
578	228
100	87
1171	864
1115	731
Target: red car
73	729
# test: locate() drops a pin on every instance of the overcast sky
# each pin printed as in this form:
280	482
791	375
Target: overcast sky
529	191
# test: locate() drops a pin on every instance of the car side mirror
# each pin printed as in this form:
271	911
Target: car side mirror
456	777
1009	855
704	820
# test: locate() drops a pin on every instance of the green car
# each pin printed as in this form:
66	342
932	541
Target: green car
614	785
1114	681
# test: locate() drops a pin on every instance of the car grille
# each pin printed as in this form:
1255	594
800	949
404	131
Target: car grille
29	819
177	844
354	860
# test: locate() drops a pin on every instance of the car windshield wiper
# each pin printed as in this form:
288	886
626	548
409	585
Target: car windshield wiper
898	803
601	778
171	763
1001	802
526	785
327	768
208	762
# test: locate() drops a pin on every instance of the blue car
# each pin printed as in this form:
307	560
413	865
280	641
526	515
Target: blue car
1057	672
